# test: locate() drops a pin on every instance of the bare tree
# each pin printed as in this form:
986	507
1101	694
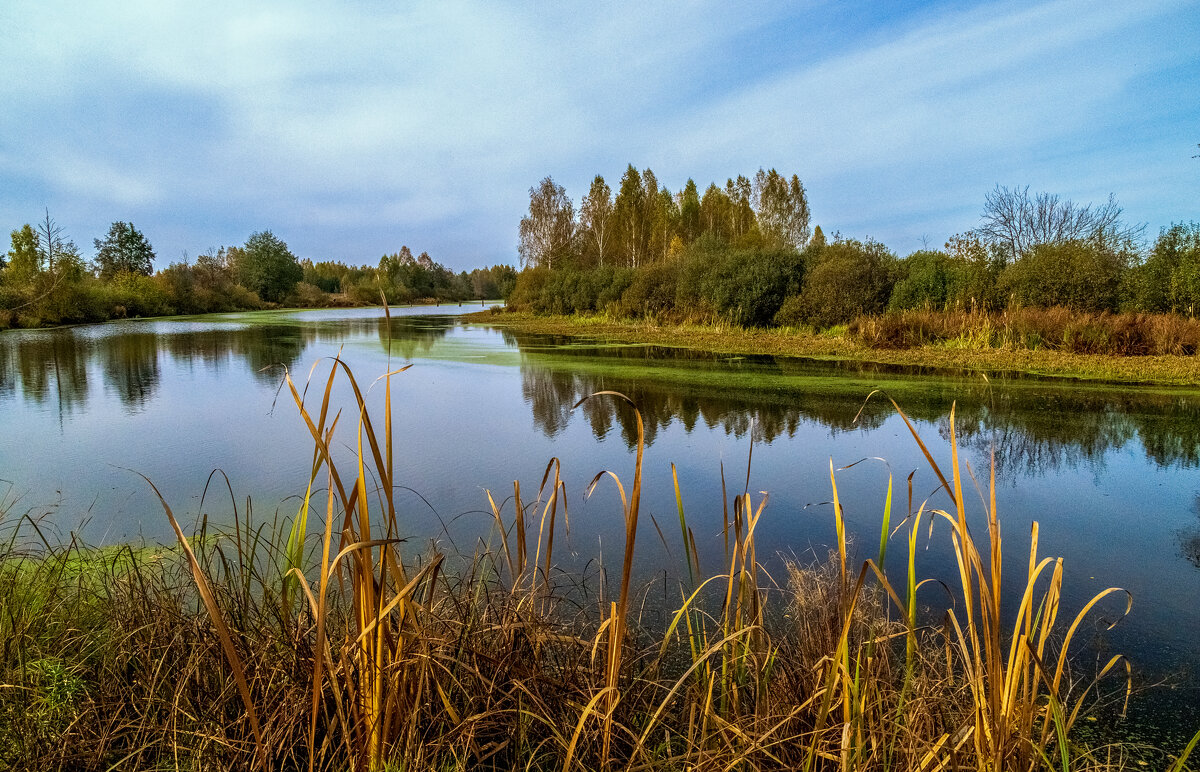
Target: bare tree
50	242
548	231
1017	222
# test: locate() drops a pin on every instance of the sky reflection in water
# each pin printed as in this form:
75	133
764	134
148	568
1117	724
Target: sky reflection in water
1110	473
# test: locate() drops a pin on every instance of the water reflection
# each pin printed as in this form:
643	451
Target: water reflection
51	368
1189	537
131	369
409	337
1033	427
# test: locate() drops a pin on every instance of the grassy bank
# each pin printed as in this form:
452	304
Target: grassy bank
841	343
314	643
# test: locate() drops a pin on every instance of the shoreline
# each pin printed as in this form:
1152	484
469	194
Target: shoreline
1178	371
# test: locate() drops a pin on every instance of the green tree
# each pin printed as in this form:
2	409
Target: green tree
1165	281
24	264
266	266
123	250
630	215
741	213
1177	250
924	281
781	207
818	238
715	209
689	212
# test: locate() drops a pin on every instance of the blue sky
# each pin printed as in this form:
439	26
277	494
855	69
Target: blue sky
350	129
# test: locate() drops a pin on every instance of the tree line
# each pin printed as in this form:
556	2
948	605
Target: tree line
745	254
46	280
644	223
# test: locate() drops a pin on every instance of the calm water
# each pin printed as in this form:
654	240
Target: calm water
1112	474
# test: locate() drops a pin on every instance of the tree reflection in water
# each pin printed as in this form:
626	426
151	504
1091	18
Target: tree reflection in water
1032	426
51	366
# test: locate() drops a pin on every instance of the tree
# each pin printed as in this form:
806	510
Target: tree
630	214
782	209
547	233
741	215
974	285
665	225
1169	280
1183	242
1017	223
23	259
925	278
123	250
596	217
818	238
714	212
689	212
266	266
52	245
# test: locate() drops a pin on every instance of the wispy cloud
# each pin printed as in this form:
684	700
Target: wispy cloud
352	129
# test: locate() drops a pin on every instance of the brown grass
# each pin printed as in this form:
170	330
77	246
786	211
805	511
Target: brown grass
839	344
265	648
1055	329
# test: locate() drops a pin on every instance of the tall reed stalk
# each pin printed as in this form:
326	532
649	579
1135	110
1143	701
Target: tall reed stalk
838	668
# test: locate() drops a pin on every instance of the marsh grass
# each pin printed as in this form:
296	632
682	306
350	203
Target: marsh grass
318	644
1055	329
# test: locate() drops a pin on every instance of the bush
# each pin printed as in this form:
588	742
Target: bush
305	295
1076	274
851	278
651	292
745	286
791	312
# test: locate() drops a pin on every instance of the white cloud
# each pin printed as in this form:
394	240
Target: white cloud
437	117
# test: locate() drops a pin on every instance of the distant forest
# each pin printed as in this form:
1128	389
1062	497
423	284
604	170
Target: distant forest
45	280
744	254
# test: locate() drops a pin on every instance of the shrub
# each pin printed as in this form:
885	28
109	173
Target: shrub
305	295
924	281
850	278
651	291
1076	274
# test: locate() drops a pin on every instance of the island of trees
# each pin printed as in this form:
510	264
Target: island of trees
744	254
45	279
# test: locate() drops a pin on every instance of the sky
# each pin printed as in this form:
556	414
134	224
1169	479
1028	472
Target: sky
352	128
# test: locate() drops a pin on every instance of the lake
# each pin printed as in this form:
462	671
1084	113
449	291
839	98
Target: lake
1112	474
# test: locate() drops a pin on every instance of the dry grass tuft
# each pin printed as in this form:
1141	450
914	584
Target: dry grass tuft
270	648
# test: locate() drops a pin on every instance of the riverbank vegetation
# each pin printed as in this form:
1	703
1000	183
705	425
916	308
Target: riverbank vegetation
970	352
1037	272
320	644
45	280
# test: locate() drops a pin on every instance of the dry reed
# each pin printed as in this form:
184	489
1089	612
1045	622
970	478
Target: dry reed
269	648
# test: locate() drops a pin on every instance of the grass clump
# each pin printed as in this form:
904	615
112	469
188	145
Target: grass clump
319	644
1055	329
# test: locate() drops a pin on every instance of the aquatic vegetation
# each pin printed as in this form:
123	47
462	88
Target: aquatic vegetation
318	643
